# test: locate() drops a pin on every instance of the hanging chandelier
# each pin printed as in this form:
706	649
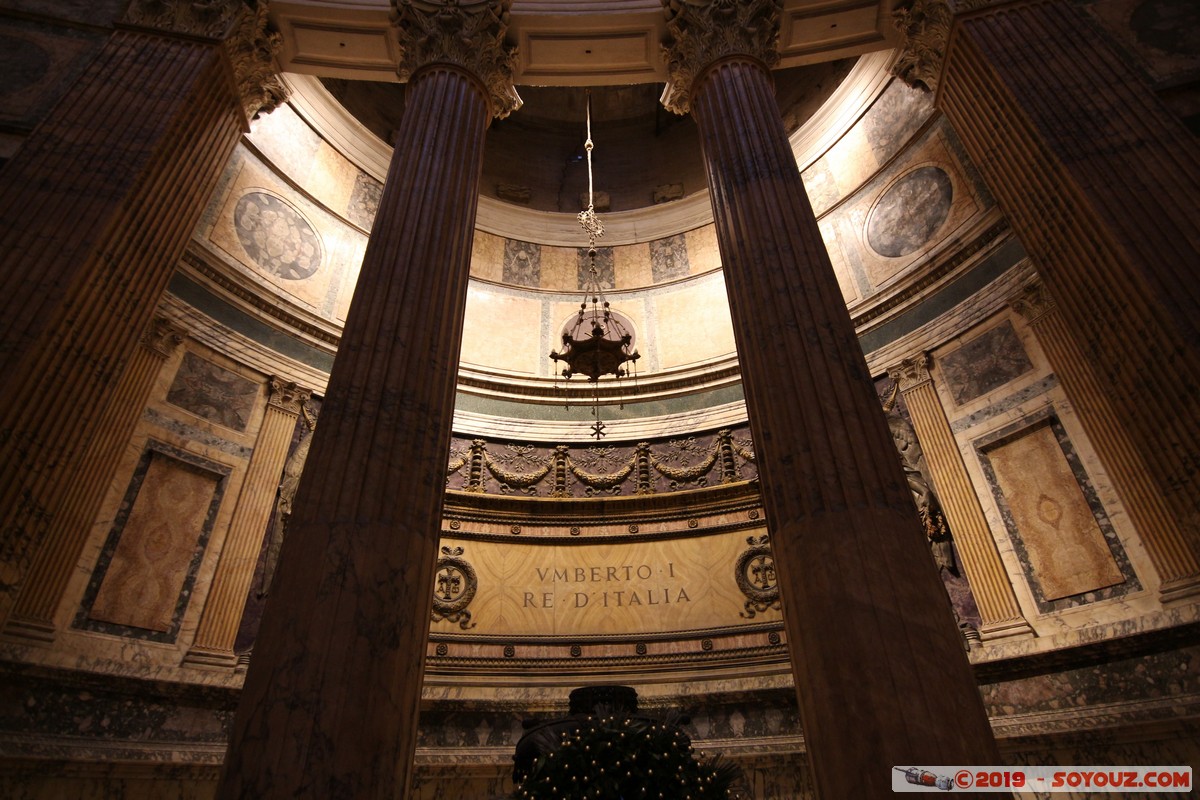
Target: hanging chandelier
595	342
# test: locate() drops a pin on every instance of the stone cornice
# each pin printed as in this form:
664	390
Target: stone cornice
468	34
700	32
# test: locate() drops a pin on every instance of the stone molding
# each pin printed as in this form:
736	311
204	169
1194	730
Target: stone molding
700	32
208	19
162	337
912	372
252	48
466	33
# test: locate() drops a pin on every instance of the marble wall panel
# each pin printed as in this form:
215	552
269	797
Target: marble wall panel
364	201
669	258
611	588
606	275
142	582
1061	533
213	392
522	263
632	266
985	363
704	254
909	212
487	257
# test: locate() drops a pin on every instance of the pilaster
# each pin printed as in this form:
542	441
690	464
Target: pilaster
1171	553
1000	614
215	636
32	615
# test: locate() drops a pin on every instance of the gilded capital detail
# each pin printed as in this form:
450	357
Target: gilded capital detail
252	49
912	372
161	338
467	33
701	31
1033	302
210	19
286	395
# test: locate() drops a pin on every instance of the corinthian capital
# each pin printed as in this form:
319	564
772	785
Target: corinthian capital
209	19
467	33
924	27
1033	302
286	395
912	372
701	31
252	49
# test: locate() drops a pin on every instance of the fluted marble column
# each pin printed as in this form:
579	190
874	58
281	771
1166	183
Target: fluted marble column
998	609
1173	555
213	645
1101	183
95	211
331	698
32	616
879	665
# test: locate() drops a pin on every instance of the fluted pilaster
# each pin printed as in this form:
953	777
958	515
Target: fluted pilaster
1172	554
32	616
213	645
998	609
1101	182
868	620
95	211
332	694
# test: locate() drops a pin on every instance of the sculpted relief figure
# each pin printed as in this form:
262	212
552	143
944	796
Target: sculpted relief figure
920	484
288	485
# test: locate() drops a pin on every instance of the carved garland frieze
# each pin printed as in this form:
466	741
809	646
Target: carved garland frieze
700	32
467	34
526	469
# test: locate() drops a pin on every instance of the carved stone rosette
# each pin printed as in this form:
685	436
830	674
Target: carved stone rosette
701	31
469	34
209	19
455	584
755	574
252	49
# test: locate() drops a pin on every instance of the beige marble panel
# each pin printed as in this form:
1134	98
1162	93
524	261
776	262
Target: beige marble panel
559	268
704	255
692	323
1067	551
631	265
487	257
837	257
851	161
331	179
148	568
591	589
502	331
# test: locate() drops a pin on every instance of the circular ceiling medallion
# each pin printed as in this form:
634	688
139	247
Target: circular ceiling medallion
910	212
276	237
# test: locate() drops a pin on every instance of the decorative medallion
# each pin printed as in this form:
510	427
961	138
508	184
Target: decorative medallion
910	212
455	584
640	648
576	651
755	576
773	638
442	649
276	237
